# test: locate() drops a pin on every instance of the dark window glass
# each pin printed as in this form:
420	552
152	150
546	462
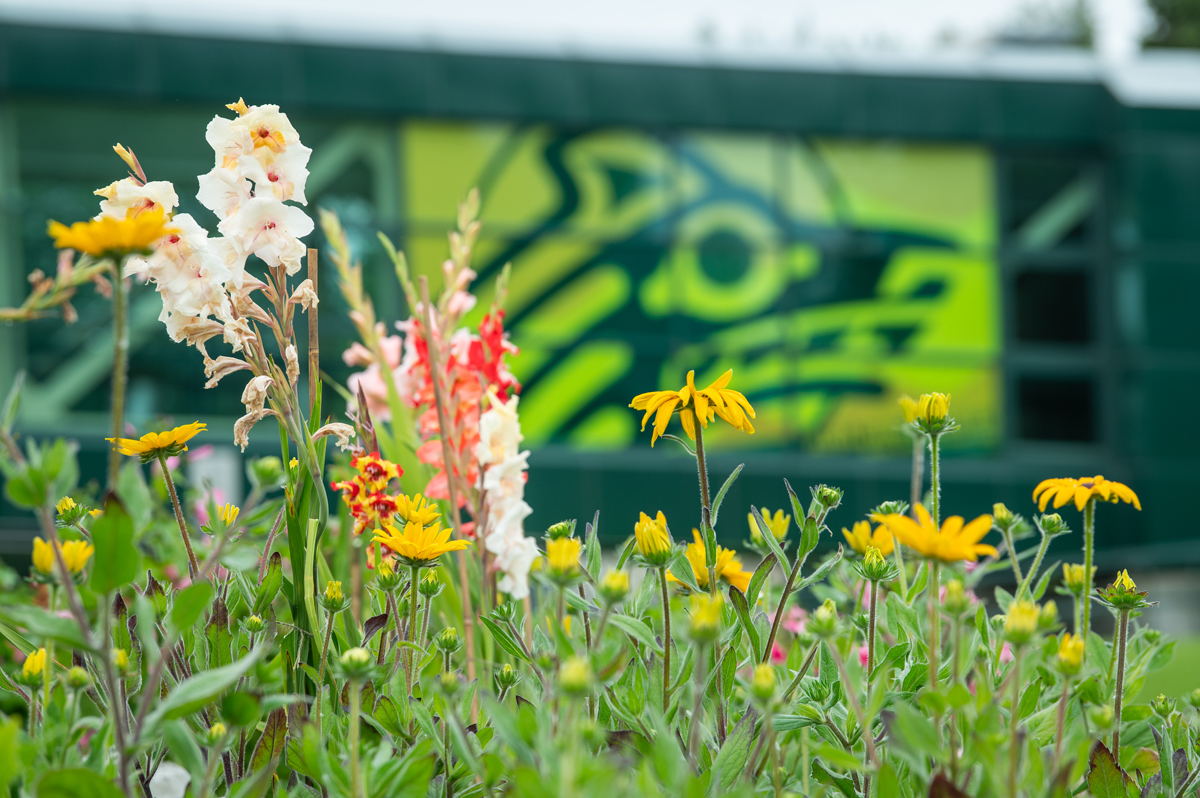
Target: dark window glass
1052	307
1057	409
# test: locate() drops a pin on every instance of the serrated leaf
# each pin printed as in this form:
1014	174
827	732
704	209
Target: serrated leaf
1105	778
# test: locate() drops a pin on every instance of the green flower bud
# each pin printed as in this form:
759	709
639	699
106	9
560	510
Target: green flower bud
614	587
448	683
213	735
575	676
896	507
448	640
1048	617
1162	706
1053	524
507	677
253	624
1194	698
827	496
955	602
77	678
762	686
431	584
1102	718
563	529
357	663
823	621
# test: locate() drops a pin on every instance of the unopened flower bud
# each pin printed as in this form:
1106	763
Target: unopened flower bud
1162	706
1074	578
762	686
213	735
1152	635
563	529
827	496
895	507
575	676
705	617
1002	516
507	677
356	663
1053	524
447	640
1021	622
1048	617
955	601
1070	653
267	471
875	567
448	683
614	587
1102	718
253	624
823	621
431	584
1194	698
77	678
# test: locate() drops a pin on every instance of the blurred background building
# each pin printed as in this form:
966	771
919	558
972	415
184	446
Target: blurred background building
992	199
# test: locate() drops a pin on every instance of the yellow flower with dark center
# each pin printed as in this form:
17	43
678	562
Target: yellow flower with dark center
562	556
653	539
1066	489
862	538
908	406
228	513
65	505
954	542
696	404
153	444
35	663
417	509
728	567
110	237
778	524
419	545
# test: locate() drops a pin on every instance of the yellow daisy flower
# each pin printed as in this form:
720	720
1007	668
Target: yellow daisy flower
778	524
417	509
695	405
862	538
154	444
728	567
955	541
418	545
110	237
1066	489
76	554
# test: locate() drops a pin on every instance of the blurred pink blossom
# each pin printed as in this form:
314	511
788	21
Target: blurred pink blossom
778	655
863	654
200	453
201	509
795	620
1006	653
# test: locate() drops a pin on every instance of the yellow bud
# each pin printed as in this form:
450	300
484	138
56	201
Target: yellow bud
763	683
653	539
575	676
614	587
1124	582
228	514
705	621
1074	577
65	505
35	663
1022	621
908	406
333	591
562	557
933	407
1070	652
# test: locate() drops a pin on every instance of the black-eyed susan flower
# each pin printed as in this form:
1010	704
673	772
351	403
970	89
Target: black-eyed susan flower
153	445
729	568
696	405
417	509
75	553
109	237
653	539
418	545
778	525
954	542
862	538
1064	490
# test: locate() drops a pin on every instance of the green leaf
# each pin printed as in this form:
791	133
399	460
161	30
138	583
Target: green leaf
783	723
504	638
135	495
769	538
843	783
268	589
592	547
76	783
918	585
270	744
637	630
731	759
195	693
681	569
822	570
1040	589
838	757
1029	699
1105	778
913	737
809	533
626	552
761	574
10	764
425	721
240	709
46	625
742	610
184	750
115	562
189	605
716	504
12	403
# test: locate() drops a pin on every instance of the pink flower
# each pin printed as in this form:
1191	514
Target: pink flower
863	654
218	496
1006	653
200	453
971	566
795	620
778	655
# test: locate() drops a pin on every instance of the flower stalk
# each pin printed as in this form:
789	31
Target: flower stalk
1089	535
193	566
1122	641
666	605
120	372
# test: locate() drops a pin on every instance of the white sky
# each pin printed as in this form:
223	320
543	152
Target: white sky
912	27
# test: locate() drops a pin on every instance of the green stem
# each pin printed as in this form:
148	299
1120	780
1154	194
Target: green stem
1122	639
32	710
856	705
1033	569
697	706
1010	544
1014	720
193	566
120	371
1089	532
321	669
705	505
935	479
871	631
356	790
49	653
666	605
935	624
410	660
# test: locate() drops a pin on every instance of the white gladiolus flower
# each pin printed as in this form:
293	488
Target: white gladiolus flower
169	781
126	198
223	191
266	227
498	451
284	177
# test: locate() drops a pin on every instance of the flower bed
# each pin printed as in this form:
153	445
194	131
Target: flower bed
412	639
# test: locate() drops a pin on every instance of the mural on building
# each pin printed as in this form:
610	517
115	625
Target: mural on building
832	275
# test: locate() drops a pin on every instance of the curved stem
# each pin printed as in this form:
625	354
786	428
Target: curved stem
193	566
666	603
1010	544
1033	569
1089	533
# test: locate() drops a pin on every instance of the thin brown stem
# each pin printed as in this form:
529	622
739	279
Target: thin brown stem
314	341
193	566
666	605
120	372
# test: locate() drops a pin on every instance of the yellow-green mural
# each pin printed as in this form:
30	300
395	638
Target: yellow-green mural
831	275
